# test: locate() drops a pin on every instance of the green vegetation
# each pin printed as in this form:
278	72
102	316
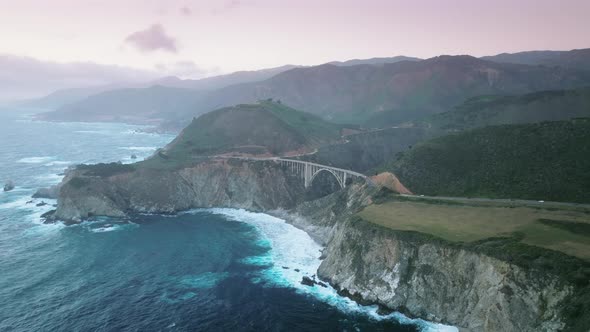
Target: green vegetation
464	223
570	226
266	127
364	151
544	161
528	108
106	170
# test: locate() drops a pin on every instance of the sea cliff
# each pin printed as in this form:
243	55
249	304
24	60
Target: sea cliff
256	186
416	274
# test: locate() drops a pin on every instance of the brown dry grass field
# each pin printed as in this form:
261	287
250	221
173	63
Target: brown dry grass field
464	223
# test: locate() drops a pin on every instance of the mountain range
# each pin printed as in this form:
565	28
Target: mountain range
367	94
575	59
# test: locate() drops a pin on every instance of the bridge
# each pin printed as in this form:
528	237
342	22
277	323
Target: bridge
308	170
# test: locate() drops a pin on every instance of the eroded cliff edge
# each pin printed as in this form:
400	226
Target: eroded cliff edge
419	275
257	186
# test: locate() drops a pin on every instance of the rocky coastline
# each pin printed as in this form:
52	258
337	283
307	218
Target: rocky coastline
408	272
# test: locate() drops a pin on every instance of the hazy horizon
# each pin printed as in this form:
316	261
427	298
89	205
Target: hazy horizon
193	38
71	44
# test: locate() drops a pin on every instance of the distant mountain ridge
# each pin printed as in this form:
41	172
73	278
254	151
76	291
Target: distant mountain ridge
221	81
152	105
574	59
553	105
397	92
380	95
374	61
64	97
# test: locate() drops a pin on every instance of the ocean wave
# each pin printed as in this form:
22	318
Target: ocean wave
41	229
58	163
35	160
95	132
183	288
138	148
18	202
50	178
203	280
295	254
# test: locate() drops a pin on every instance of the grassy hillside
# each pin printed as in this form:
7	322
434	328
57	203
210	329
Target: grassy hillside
561	230
515	109
544	161
264	128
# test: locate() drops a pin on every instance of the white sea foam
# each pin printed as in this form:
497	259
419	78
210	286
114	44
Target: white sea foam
58	163
19	202
138	148
41	229
50	178
104	229
203	280
293	248
97	132
35	160
34	217
184	287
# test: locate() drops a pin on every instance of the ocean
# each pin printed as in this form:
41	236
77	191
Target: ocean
199	270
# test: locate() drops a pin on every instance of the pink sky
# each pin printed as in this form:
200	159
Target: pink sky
197	38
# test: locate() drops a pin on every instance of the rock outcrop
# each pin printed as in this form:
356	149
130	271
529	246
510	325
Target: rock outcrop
51	192
8	186
257	186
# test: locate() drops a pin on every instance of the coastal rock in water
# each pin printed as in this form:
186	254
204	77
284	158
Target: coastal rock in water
133	156
50	193
8	186
41	204
307	281
47	217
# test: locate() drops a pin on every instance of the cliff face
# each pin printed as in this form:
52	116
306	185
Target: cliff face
425	277
440	283
416	274
256	186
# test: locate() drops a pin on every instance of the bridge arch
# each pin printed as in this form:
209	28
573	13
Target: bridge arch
308	170
340	178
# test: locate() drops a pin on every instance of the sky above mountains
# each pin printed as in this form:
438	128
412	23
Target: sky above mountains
196	38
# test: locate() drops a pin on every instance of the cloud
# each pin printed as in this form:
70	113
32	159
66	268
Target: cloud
25	77
152	39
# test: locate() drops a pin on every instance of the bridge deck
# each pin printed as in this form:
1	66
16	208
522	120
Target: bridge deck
347	171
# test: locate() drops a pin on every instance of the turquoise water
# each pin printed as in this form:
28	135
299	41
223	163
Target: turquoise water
215	269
